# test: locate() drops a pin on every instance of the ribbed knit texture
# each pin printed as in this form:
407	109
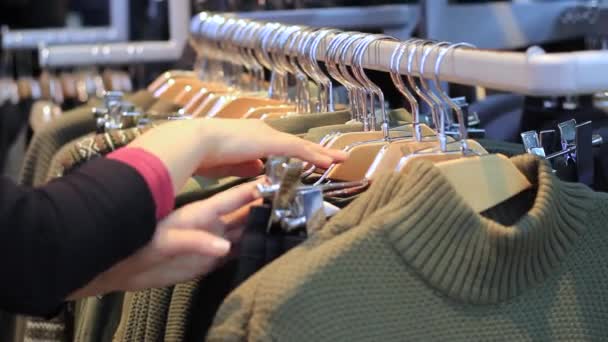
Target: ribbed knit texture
157	313
69	126
120	332
47	141
169	315
79	151
179	310
410	261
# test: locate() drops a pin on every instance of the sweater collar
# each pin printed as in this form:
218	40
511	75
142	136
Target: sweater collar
479	258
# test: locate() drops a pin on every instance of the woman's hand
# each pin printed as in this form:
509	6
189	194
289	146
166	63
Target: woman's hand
190	242
220	147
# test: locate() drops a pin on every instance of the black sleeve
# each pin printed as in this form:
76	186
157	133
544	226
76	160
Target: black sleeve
55	239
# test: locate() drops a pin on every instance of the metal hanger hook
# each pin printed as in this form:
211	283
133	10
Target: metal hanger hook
460	115
395	72
413	44
359	72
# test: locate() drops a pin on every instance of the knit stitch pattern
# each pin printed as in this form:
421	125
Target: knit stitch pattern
410	261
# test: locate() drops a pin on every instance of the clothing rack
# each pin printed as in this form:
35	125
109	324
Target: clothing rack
125	53
533	73
118	31
396	20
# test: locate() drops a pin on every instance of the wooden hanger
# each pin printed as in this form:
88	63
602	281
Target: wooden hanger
173	87
194	93
343	140
485	181
482	181
169	75
50	87
110	80
186	95
359	160
238	107
267	112
389	155
29	88
68	85
362	155
200	102
210	101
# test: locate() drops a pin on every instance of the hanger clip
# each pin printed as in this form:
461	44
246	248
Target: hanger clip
294	206
532	143
472	120
116	113
574	159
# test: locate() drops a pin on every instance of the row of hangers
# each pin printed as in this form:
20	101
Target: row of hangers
234	53
18	82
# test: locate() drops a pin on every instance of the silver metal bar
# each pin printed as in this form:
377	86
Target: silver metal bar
118	31
125	53
533	73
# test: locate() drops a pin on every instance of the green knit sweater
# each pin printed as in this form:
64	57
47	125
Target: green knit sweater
410	261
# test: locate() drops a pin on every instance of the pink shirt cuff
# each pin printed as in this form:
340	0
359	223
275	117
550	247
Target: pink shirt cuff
154	173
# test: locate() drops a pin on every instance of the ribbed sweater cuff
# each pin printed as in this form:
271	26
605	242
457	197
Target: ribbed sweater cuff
154	172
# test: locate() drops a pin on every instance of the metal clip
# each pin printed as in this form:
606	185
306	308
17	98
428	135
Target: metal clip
474	119
567	131
532	143
306	211
116	113
471	120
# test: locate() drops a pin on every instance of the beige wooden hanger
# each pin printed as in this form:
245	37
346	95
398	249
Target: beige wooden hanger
199	88
482	181
68	85
109	80
238	107
165	77
29	88
174	87
202	102
267	112
390	154
363	147
363	155
50	87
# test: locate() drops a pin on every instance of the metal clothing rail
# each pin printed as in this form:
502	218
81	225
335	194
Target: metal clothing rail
532	73
396	20
125	53
118	31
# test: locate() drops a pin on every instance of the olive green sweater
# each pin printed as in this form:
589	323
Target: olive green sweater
410	261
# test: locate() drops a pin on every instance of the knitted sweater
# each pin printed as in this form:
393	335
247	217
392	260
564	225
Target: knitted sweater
46	142
410	261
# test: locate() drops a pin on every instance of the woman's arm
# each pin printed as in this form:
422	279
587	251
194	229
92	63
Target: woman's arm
57	238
